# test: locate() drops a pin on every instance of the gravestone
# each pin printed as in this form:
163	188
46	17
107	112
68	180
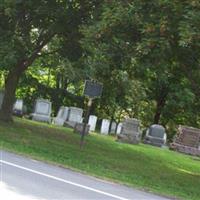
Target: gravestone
105	126
113	127
74	116
155	135
61	116
119	128
130	132
187	141
18	108
1	97
42	111
92	122
78	128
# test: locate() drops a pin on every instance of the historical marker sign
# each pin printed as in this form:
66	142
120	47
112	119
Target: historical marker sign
92	89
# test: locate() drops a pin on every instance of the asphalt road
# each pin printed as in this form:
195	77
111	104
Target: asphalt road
26	179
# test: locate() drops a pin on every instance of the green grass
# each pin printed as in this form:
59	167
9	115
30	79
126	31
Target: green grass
153	169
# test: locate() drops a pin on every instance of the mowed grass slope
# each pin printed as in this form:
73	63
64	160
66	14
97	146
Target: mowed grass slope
153	169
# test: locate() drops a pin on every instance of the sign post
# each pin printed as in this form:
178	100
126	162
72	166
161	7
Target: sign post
92	90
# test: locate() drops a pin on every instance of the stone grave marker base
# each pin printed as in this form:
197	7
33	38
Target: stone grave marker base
131	139
185	149
187	141
79	127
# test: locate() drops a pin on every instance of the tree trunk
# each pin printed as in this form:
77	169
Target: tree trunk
9	95
15	74
159	107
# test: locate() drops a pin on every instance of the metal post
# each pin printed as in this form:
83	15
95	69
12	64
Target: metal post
89	105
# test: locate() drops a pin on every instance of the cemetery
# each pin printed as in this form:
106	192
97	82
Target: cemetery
187	140
108	88
124	139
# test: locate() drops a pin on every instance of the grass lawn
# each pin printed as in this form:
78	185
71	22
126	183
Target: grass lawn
153	169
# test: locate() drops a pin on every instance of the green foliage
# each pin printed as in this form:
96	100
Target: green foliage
155	43
146	54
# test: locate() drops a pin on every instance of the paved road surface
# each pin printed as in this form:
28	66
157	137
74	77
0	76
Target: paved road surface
26	179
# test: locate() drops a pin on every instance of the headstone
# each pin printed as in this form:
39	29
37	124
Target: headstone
79	128
119	128
155	135
61	116
74	116
18	107
113	127
130	132
105	126
92	122
42	111
1	97
187	141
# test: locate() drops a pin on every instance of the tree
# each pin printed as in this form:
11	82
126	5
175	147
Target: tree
152	47
27	27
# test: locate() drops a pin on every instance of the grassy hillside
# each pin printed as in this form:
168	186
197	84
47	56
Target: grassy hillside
150	168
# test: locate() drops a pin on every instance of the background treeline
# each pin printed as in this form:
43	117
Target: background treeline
146	54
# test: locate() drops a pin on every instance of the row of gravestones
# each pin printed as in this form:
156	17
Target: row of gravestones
128	131
70	116
187	140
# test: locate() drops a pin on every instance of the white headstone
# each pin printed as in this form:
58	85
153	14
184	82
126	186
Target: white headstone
1	98
61	116
92	122
42	111
75	114
42	107
18	108
119	128
113	127
18	105
105	126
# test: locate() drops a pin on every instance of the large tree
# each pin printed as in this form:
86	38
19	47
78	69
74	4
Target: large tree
27	27
152	42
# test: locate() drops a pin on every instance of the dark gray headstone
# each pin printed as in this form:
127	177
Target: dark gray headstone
155	135
130	131
157	131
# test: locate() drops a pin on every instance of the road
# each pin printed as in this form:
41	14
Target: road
26	179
